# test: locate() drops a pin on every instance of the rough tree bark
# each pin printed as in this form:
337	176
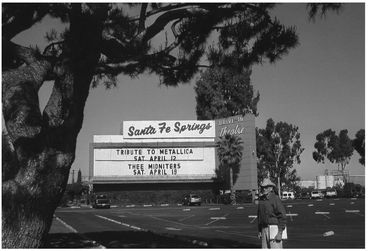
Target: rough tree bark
40	148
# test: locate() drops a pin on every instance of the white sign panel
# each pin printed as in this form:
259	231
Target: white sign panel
168	129
155	163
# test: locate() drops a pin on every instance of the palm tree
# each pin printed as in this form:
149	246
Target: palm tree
230	154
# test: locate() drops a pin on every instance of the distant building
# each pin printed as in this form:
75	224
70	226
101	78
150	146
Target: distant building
307	183
326	181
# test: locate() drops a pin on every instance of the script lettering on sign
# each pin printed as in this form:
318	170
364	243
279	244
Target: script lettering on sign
168	129
231	125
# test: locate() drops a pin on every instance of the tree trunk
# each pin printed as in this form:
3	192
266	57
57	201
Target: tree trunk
40	149
30	199
233	196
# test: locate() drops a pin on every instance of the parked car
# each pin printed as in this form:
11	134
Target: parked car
317	195
288	195
192	199
101	201
331	193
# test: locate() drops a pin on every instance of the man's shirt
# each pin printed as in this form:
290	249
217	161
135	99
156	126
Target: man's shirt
271	212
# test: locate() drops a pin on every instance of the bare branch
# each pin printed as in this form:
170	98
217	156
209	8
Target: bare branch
166	18
164	9
141	25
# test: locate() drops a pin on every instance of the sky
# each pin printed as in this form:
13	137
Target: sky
317	86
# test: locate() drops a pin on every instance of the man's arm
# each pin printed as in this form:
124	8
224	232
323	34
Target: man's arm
280	213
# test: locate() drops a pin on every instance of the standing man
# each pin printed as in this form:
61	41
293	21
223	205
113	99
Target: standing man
270	212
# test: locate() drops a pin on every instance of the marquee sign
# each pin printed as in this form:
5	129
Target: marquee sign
173	150
168	129
151	163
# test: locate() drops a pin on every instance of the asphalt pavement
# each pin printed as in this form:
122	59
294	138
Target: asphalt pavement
327	223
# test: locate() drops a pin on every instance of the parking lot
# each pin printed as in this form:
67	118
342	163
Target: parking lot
309	223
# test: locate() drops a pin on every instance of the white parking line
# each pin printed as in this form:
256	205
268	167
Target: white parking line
164	205
186	210
355	211
331	204
120	223
238	208
352	203
214	208
289	205
215	219
174	222
254	218
292	214
352	211
324	214
173	229
66	225
185	218
147	205
321	212
75	231
310	205
130	205
218	218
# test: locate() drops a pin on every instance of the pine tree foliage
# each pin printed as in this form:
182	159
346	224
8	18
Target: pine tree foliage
224	92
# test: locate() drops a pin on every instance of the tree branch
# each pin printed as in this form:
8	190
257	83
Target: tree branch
141	25
163	9
13	52
164	19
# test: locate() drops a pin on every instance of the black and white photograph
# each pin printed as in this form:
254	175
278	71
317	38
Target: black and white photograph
213	125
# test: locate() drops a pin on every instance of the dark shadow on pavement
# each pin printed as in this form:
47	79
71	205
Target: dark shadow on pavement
136	239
